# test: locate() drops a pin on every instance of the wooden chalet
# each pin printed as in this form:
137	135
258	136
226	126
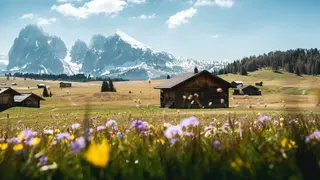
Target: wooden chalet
7	97
259	83
194	90
247	90
27	100
41	85
65	84
236	84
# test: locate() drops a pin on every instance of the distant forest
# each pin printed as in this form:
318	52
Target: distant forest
64	77
299	61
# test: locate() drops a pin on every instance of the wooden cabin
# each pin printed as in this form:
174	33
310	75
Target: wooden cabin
27	100
7	97
236	84
259	83
194	90
247	90
41	85
65	84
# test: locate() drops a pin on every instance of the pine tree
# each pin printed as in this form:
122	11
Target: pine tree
105	87
243	71
45	92
168	76
50	94
111	86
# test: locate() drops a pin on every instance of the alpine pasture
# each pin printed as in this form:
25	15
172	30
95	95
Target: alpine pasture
81	133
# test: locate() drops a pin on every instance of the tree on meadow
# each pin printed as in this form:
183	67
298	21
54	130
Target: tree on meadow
243	71
45	92
297	71
111	86
105	87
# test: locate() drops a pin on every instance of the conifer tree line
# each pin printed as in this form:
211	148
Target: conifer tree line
107	86
299	61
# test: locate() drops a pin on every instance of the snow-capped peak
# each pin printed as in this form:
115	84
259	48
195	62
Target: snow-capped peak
133	42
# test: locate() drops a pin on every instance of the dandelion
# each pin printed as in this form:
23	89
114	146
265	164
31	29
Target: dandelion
57	130
287	143
75	126
281	119
173	131
78	145
35	141
151	126
191	121
72	137
98	154
160	141
111	123
3	146
18	147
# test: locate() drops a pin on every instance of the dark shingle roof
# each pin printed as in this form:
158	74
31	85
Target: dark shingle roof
246	86
175	81
22	97
4	89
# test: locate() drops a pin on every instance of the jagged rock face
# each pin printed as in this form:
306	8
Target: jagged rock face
78	51
35	51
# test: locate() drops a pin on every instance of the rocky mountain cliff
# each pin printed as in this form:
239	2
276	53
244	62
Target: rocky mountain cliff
118	55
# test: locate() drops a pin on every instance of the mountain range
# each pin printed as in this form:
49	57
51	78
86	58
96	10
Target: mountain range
118	55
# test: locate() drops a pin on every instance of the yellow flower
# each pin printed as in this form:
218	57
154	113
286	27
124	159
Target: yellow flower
36	141
72	137
291	144
165	125
160	141
20	136
284	142
281	119
150	127
18	147
57	130
98	154
3	146
288	143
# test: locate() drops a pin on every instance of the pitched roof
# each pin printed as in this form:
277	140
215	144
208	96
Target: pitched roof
22	97
238	82
5	89
179	79
246	86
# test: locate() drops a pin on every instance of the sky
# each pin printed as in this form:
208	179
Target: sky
199	29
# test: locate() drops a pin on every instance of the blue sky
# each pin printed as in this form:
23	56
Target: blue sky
200	29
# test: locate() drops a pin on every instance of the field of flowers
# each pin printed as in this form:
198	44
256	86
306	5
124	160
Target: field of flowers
256	147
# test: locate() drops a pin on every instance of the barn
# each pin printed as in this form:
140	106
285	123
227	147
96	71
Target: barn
65	84
194	90
236	84
27	100
7	97
247	90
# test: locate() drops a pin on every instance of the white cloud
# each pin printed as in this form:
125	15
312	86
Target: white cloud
215	36
64	1
108	7
181	17
136	1
143	16
45	21
27	16
39	20
221	3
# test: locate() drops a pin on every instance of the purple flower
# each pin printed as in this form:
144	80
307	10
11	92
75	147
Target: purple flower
225	126
216	144
111	123
236	123
293	121
114	131
172	131
127	131
174	140
275	122
139	125
314	136
100	128
206	128
43	160
75	126
78	145
28	134
264	119
63	135
191	121
189	134
1	139
14	140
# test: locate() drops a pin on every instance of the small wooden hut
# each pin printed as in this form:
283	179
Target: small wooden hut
259	83
7	97
236	84
28	100
41	85
65	84
247	90
194	90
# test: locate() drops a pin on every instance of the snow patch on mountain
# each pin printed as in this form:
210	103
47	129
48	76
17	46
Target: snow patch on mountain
70	67
133	42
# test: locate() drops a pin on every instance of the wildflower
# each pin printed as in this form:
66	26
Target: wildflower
191	121
111	123
14	140
208	134
57	130
236	123
293	121
18	147
166	125
98	154
264	119
172	131
72	137
216	144
127	131
189	134
139	125
160	141
287	143
43	160
78	145
35	141
275	122
150	126
136	161
207	128
100	128
314	136
174	140
210	103
63	135
3	146
75	126
49	131
281	119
